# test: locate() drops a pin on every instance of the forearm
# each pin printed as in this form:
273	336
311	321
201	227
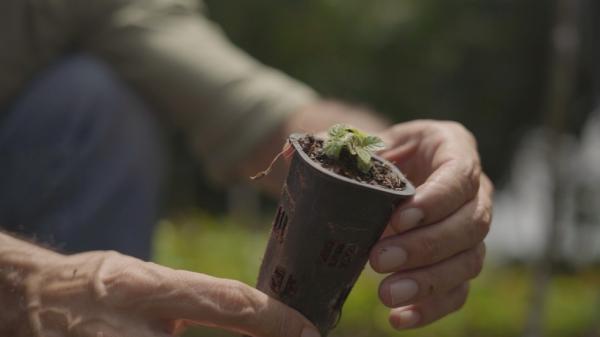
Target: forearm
314	118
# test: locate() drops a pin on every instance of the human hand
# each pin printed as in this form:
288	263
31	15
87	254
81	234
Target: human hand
434	243
106	294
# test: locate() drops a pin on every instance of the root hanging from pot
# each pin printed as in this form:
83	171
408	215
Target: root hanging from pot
287	152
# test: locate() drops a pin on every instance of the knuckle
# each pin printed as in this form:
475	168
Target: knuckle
490	185
112	254
430	248
476	261
482	219
118	279
443	128
429	283
232	299
107	275
462	130
472	177
469	135
432	126
453	125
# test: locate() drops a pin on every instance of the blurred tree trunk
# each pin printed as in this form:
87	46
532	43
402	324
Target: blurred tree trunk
562	76
592	9
593	21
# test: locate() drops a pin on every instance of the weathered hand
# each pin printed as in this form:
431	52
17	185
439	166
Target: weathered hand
106	294
434	244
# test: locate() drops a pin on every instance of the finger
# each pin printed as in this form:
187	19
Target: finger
402	138
229	305
166	294
400	152
446	165
401	289
420	147
430	244
421	210
446	190
429	310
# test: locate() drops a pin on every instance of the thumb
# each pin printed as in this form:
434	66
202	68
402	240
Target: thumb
231	305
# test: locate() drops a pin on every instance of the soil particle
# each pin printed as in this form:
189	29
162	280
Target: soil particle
379	175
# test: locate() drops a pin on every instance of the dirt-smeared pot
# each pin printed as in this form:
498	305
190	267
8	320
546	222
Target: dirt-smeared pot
322	233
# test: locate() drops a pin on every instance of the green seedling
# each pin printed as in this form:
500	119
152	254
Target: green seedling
359	145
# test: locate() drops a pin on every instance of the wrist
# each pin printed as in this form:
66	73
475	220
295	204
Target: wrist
19	260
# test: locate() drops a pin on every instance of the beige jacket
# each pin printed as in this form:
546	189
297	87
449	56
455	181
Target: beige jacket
169	53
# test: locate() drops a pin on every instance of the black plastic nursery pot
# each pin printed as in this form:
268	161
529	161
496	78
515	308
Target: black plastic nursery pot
322	233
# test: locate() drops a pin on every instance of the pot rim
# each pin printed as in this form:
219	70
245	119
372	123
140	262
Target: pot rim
408	190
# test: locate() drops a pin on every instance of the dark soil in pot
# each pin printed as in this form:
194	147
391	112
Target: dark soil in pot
379	175
329	217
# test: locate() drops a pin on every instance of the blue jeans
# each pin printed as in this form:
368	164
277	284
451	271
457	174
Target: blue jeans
81	162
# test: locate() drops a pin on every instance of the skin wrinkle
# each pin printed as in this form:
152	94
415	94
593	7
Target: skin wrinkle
480	223
34	305
239	307
57	317
399	154
176	290
444	183
56	287
123	285
73	323
222	301
420	176
66	286
13	305
437	306
244	303
140	287
429	158
98	286
432	152
283	325
476	264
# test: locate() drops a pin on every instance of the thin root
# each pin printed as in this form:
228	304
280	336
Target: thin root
287	152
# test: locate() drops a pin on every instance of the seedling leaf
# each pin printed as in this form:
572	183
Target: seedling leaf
358	144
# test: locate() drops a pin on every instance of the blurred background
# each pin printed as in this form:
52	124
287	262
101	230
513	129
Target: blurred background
522	75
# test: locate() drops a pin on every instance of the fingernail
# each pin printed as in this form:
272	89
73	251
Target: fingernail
310	332
407	219
391	258
403	290
406	319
